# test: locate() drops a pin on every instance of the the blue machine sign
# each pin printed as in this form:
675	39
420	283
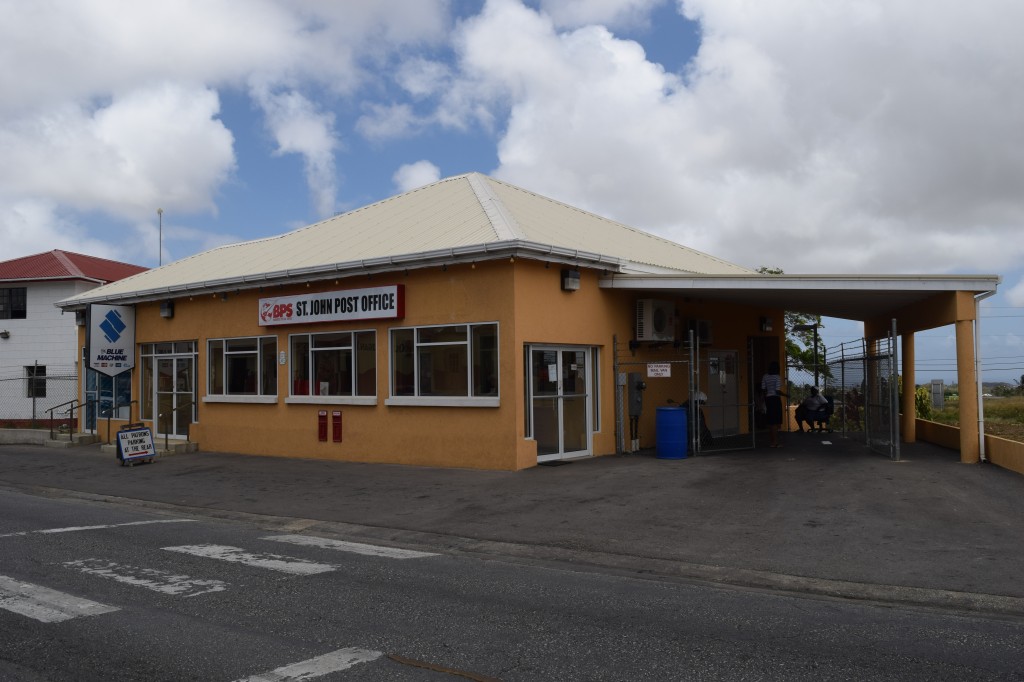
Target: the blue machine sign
111	339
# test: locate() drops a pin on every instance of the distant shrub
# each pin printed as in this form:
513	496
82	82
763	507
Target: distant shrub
923	402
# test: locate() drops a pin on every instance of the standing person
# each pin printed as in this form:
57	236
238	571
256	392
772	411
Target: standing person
771	387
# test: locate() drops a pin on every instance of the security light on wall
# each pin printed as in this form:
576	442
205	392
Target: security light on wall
5	334
167	309
80	318
570	280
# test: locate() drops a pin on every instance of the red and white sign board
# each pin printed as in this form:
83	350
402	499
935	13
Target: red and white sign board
374	303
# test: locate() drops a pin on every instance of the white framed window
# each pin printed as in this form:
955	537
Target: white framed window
453	364
334	365
242	367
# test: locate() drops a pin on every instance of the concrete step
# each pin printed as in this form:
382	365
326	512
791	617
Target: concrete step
70	440
174	448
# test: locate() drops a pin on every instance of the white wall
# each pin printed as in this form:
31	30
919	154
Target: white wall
45	336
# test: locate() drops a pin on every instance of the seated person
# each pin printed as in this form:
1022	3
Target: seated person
814	410
706	439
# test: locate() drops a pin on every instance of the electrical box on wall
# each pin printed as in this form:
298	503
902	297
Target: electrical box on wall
655	320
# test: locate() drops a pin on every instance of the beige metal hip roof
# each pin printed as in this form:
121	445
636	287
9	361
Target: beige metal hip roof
464	217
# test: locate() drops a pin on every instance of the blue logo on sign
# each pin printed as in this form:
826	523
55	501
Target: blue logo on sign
112	326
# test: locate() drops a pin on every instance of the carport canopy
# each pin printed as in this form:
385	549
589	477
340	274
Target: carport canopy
853	297
916	302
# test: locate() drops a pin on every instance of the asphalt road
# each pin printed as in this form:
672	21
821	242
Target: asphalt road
178	597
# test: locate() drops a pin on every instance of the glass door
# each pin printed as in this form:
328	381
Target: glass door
174	382
560	402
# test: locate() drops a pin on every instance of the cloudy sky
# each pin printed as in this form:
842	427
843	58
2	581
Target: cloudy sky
855	136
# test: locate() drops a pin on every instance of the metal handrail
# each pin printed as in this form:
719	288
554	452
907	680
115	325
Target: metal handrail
110	414
163	423
57	407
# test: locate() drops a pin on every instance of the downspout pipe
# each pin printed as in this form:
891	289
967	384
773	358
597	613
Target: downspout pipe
977	370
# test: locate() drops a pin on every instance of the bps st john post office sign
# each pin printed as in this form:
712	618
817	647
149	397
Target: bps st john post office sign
373	303
111	341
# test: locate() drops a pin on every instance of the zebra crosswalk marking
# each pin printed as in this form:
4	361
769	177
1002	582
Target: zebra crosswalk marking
150	578
335	661
274	562
44	604
354	547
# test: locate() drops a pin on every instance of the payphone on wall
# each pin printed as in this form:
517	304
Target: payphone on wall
635	387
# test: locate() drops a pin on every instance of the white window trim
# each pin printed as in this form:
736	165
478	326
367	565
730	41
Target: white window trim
331	400
238	397
440	401
334	399
444	401
252	399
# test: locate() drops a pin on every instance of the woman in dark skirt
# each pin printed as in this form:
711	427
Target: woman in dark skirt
771	388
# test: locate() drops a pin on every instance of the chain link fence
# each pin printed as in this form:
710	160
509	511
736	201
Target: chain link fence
27	396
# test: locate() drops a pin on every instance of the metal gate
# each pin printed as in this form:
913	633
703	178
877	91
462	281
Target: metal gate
716	417
862	377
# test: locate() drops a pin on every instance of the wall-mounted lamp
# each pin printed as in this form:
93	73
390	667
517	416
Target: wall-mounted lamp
80	318
766	324
570	280
5	334
167	309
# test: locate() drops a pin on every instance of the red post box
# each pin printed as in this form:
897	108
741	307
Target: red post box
321	425
336	425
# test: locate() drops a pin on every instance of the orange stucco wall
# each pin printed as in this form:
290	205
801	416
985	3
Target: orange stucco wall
525	299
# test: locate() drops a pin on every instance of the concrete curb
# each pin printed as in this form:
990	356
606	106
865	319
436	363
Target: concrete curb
561	558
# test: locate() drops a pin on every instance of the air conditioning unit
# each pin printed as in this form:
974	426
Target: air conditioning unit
701	331
655	320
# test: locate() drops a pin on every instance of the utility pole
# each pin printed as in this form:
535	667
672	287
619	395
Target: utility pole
160	242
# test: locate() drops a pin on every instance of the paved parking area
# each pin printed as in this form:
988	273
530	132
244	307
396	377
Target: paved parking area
820	508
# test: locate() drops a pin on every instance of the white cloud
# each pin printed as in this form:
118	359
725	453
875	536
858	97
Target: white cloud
818	137
609	13
1015	295
413	175
113	106
33	226
298	127
422	77
145	148
387	122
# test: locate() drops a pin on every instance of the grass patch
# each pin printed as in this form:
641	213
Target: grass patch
1004	417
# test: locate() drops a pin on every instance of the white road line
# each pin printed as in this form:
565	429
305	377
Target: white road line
44	604
150	578
75	529
274	562
354	547
342	659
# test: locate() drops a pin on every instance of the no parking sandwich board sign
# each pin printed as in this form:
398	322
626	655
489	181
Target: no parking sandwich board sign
134	444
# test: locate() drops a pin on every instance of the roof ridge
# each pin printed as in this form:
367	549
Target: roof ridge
68	264
630	228
501	219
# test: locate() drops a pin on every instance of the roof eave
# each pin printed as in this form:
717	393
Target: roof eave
466	254
979	283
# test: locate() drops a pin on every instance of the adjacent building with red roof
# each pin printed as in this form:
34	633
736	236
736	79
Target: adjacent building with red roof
39	341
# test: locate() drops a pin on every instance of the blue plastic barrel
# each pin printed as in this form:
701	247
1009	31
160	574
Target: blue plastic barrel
670	427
